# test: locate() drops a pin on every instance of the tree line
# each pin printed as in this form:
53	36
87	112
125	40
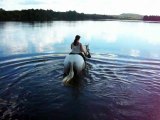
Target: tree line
47	15
151	18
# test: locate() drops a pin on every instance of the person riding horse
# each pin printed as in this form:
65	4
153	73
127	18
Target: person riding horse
75	62
77	48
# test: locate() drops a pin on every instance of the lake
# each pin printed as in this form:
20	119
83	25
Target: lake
121	80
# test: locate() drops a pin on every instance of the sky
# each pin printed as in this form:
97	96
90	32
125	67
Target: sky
108	7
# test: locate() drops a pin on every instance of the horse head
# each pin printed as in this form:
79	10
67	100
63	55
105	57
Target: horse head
86	50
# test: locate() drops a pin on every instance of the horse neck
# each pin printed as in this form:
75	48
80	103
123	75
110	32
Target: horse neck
85	49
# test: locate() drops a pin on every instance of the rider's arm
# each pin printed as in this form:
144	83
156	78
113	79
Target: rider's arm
81	49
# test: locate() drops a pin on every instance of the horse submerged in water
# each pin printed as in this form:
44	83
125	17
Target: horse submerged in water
75	63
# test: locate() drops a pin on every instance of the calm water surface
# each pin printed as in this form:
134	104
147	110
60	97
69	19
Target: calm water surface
121	80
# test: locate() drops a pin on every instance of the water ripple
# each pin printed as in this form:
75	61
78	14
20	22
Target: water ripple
111	87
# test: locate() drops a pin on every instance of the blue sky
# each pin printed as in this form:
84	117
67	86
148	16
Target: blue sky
113	7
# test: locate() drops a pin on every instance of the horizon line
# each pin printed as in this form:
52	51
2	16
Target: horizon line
80	12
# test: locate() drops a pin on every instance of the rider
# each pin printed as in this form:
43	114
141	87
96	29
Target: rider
77	48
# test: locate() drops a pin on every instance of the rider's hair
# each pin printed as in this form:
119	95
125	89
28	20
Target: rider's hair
77	37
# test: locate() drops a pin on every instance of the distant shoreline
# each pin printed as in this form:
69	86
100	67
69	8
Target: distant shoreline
31	15
48	15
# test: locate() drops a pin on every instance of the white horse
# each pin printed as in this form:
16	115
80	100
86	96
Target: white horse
74	63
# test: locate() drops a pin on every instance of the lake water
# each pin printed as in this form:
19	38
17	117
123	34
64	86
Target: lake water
121	80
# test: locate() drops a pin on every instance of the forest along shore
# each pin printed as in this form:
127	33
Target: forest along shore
50	15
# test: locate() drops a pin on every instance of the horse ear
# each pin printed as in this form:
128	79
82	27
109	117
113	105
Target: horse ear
87	46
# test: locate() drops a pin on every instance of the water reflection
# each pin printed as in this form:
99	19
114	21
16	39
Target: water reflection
136	39
112	87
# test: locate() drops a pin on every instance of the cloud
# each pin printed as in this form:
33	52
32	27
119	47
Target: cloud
31	2
1	2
